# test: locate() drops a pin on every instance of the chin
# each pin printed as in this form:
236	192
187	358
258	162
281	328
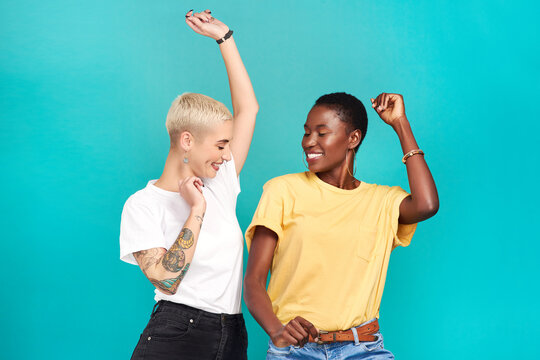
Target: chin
314	168
211	173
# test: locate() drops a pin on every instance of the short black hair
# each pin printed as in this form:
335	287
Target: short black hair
349	109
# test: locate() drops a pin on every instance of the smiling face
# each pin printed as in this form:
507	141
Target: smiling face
207	154
327	141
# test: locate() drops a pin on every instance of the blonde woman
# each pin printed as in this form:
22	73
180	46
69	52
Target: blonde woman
181	229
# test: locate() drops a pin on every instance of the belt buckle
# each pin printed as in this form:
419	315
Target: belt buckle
320	342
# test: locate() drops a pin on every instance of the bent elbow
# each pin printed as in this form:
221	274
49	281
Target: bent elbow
430	209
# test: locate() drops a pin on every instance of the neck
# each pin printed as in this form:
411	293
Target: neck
341	176
175	170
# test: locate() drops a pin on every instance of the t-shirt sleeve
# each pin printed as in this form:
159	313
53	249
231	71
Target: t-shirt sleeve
402	233
139	230
225	184
228	177
269	212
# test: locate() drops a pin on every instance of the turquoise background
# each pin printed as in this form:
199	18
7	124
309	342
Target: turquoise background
85	87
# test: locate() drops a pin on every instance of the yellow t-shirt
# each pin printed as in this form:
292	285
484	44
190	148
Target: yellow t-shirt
333	248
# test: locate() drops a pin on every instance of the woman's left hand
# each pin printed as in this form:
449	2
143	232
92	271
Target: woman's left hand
203	23
390	108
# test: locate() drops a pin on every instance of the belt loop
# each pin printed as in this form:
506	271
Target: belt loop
154	309
355	334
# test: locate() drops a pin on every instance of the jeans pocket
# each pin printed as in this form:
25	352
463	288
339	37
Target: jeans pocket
374	345
273	349
164	328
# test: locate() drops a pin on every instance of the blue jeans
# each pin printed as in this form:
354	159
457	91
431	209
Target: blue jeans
373	350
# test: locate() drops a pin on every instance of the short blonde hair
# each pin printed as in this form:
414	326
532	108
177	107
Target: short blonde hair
195	113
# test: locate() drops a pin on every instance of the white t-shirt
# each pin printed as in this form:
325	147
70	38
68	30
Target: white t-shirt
153	217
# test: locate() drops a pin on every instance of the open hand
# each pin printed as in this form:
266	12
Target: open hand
295	332
390	108
205	24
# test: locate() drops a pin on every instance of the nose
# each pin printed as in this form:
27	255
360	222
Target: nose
227	154
308	141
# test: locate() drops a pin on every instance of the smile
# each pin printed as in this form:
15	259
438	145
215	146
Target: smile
313	156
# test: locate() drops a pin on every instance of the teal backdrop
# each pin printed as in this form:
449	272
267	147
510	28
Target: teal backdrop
85	87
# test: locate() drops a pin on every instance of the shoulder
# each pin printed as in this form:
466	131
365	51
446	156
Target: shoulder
383	192
142	199
288	181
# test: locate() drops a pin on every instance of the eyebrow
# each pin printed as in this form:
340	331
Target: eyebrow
223	141
318	126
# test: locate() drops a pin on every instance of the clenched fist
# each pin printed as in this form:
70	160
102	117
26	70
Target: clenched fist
390	108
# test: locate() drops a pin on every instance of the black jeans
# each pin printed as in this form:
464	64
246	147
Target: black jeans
177	331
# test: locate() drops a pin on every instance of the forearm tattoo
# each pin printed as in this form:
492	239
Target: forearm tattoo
185	238
175	258
169	286
147	258
199	219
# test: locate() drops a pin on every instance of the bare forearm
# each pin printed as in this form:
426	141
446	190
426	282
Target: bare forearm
260	306
242	94
166	269
424	195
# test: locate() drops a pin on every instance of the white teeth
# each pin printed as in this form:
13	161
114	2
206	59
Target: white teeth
314	156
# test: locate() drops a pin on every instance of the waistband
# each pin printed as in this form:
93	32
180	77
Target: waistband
172	307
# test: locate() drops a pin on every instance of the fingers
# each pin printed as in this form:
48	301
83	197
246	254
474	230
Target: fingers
191	23
376	103
380	103
302	333
193	26
203	16
195	20
195	181
304	328
198	184
309	327
385	100
211	19
289	338
295	332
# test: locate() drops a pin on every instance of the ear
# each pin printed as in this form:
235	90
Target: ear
185	141
354	138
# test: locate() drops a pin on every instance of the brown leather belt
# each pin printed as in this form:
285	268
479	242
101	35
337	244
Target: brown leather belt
365	333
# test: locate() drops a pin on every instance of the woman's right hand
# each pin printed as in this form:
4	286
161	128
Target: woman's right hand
295	332
205	24
190	189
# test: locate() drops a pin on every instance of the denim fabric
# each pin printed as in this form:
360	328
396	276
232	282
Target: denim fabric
177	331
373	350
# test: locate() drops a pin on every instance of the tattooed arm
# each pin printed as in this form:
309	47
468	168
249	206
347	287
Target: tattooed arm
166	268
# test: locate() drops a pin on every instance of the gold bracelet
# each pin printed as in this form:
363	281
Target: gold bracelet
411	153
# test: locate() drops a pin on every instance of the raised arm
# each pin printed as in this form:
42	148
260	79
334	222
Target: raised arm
166	268
244	102
297	331
423	202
